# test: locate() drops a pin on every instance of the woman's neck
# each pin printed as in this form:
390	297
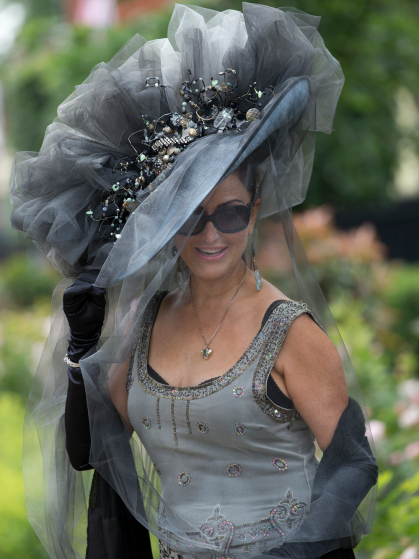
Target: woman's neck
209	292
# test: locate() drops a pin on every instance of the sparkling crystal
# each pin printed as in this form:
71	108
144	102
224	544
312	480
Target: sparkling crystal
223	118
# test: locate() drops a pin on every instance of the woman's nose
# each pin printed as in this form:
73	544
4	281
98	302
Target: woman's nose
210	233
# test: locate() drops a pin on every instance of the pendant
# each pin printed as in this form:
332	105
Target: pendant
206	353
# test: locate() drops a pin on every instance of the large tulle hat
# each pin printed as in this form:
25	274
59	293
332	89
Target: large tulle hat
138	146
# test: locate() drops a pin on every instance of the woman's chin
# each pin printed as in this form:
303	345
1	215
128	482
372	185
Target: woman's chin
213	270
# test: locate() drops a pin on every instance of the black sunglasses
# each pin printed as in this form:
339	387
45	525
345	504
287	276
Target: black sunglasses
230	219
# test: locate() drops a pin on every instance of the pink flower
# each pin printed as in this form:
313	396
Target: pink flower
396	458
377	430
409	417
410	552
409	389
400	407
412	450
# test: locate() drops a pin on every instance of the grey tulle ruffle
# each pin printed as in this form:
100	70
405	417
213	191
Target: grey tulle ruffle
51	191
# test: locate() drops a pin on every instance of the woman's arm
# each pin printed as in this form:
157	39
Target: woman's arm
311	372
310	367
76	418
84	306
76	422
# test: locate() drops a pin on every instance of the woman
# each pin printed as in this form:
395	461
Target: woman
211	447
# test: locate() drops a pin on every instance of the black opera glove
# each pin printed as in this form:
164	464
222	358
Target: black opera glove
84	306
345	474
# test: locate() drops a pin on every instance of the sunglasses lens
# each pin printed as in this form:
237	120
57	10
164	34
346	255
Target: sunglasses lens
227	220
188	226
232	219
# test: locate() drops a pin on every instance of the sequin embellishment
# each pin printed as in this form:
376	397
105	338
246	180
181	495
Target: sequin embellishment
238	391
283	520
184	478
202	428
140	347
234	470
146	422
241	537
188	421
280	464
217	530
288	515
286	313
172	410
158	412
239	429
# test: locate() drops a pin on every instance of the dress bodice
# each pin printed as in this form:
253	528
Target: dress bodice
235	469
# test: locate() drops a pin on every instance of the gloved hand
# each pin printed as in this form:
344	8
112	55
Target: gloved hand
84	306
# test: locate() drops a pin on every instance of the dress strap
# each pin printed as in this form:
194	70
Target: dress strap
281	319
147	318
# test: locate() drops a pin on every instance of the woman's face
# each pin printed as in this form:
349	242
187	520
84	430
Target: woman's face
212	255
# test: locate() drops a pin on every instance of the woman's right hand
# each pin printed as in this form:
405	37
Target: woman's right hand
84	306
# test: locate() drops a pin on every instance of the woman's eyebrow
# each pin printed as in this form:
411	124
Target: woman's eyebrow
200	208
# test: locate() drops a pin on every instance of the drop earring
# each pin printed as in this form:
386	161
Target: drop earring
255	268
179	275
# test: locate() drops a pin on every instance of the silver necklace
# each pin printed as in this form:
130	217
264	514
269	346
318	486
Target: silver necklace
206	352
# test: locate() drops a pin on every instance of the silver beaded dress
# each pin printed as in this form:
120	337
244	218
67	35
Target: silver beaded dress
237	487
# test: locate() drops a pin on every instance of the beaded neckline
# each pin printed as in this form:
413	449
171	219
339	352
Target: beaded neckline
254	349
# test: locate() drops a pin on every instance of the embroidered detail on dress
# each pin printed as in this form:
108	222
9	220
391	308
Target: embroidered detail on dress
130	380
234	470
241	537
280	464
260	343
217	530
158	412
254	532
142	329
287	313
202	428
146	422
238	391
288	515
283	520
188	422
266	531
172	409
239	429
184	478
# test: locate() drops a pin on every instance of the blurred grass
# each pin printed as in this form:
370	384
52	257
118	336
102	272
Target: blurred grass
17	539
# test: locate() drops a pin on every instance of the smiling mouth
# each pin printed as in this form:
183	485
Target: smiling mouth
210	251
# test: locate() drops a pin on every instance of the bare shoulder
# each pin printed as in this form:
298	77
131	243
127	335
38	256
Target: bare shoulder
306	341
312	370
272	293
268	295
